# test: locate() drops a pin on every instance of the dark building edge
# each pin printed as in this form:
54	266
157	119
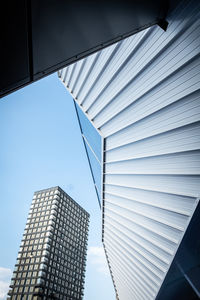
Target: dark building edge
183	277
158	17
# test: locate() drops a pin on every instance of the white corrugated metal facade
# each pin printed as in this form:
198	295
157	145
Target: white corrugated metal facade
143	95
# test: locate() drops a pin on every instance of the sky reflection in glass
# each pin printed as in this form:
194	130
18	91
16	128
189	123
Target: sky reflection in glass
93	145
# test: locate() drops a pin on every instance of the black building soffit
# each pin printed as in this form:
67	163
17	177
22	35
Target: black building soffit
41	37
183	278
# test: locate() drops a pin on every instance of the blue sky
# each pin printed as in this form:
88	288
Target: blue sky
41	147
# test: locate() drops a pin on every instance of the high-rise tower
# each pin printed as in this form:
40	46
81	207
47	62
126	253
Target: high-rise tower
52	256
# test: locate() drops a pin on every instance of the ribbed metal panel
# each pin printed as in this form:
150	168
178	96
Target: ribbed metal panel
143	95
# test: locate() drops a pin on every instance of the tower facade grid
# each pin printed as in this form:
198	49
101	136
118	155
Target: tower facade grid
52	257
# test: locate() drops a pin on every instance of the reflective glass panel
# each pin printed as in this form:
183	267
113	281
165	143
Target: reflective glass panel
90	133
92	142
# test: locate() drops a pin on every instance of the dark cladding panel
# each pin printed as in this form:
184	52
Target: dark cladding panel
183	278
14	46
41	37
66	30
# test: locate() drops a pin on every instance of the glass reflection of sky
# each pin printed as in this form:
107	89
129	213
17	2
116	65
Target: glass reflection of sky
96	169
92	141
92	136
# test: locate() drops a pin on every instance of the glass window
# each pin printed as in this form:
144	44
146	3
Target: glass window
93	138
25	290
91	134
40	281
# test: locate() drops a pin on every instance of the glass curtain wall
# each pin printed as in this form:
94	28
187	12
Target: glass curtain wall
93	145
